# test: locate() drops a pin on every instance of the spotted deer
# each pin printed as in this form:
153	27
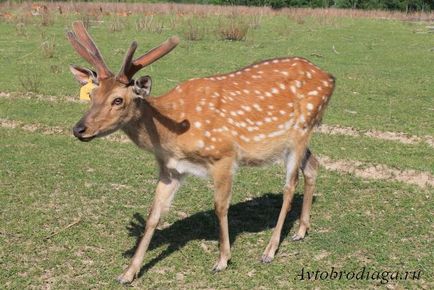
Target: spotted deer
208	127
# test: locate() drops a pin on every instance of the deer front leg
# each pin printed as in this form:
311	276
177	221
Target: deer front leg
309	167
222	176
166	189
292	161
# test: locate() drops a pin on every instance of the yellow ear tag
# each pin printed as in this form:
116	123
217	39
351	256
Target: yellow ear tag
86	89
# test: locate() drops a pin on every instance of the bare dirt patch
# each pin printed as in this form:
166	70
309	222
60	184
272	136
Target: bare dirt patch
378	172
53	130
33	127
383	135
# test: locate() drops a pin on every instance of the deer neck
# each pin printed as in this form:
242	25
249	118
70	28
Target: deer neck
150	126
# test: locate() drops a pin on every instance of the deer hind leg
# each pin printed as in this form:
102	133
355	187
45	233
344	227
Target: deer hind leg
222	176
166	189
292	161
309	167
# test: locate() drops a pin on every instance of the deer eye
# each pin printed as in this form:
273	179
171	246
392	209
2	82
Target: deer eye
117	101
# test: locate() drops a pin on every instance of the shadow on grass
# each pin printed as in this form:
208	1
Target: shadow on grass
250	216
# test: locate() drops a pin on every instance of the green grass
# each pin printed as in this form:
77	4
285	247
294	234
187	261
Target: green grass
109	186
383	68
384	82
390	153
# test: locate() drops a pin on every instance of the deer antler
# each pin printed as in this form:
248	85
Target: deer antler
129	69
86	48
123	75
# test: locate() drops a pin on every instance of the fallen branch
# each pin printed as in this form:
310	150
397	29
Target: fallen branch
63	229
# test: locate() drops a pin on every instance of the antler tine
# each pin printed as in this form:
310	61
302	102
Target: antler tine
90	52
123	75
152	55
79	48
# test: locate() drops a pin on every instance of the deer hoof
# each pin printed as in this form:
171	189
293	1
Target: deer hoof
126	278
297	238
219	266
266	259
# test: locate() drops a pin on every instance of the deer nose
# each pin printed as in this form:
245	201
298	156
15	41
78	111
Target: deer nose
78	130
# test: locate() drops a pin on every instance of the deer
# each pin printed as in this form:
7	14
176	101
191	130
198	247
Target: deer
208	127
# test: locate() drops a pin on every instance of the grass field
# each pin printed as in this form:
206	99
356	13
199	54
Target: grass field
72	212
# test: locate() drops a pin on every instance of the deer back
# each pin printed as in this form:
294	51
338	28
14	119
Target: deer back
253	114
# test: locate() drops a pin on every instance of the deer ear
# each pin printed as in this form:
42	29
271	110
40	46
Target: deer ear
142	86
83	75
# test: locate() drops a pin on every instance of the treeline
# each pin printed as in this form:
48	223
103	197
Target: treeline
402	5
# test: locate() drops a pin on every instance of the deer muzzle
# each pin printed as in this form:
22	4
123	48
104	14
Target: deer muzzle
79	132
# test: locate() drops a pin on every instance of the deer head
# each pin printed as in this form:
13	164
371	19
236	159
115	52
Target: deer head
114	97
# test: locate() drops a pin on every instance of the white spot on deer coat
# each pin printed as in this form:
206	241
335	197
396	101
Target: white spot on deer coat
298	84
309	106
244	138
259	137
246	108
276	133
257	107
200	144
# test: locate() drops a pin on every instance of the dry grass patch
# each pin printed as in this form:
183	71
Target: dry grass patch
233	28
11	11
52	9
193	31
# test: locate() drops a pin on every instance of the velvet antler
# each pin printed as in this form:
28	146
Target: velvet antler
86	48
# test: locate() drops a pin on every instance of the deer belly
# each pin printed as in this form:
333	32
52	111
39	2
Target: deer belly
266	153
186	167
